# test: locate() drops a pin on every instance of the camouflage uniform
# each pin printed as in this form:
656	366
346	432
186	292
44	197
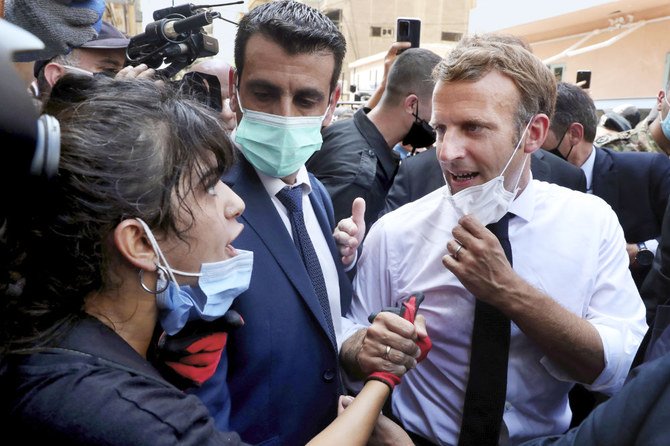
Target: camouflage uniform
638	139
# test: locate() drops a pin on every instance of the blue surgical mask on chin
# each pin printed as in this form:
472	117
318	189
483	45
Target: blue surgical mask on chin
278	145
665	122
219	283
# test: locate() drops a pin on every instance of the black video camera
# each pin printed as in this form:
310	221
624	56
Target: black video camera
175	38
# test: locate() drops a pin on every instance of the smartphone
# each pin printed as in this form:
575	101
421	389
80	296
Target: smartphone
584	75
408	30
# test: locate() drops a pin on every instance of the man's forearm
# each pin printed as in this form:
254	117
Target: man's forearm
569	341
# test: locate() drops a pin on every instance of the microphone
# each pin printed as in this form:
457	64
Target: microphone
173	28
169	29
187	9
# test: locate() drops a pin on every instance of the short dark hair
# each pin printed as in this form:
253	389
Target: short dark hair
296	27
411	73
573	104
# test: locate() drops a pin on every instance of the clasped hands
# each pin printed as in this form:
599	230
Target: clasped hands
395	343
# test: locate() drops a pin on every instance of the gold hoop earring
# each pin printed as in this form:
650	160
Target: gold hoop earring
161	273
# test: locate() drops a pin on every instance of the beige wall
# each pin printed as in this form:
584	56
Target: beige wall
631	68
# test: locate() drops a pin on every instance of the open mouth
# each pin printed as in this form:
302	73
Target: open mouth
463	177
230	249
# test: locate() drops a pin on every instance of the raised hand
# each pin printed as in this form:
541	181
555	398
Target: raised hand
350	232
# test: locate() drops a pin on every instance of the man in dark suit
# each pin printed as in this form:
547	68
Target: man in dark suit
635	184
421	174
281	368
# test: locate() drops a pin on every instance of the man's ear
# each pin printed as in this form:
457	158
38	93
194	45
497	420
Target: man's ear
133	245
52	72
332	104
411	104
537	133
659	100
575	133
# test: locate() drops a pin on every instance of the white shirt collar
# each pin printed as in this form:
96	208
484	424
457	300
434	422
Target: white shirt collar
523	205
587	167
273	185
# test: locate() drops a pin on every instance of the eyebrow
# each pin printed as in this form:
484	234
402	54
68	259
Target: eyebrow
307	91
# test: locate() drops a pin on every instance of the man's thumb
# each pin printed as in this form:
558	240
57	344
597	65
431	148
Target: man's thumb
358	211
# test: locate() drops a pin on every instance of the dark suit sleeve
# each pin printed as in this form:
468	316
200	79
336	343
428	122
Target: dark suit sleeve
580	184
561	172
656	287
417	176
638	415
346	171
659	181
399	193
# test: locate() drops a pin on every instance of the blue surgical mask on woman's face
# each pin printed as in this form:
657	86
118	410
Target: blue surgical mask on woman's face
278	145
219	283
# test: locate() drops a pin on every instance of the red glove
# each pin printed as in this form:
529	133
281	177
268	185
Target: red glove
407	311
190	357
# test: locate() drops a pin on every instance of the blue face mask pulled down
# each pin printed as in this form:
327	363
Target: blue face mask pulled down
278	145
219	283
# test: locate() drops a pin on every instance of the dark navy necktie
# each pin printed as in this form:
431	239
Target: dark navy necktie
487	384
291	198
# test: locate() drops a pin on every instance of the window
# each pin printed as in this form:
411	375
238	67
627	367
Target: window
381	31
336	16
451	37
558	70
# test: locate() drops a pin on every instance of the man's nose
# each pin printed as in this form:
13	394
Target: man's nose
450	148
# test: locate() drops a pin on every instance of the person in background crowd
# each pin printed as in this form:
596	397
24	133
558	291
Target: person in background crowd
649	136
635	185
629	112
105	52
357	157
60	25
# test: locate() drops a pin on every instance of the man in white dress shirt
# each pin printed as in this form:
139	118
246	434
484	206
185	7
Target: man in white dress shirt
575	313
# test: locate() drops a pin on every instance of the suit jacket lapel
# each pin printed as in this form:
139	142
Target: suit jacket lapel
263	219
604	181
327	228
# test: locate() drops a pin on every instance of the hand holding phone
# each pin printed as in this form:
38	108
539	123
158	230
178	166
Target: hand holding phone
584	79
408	30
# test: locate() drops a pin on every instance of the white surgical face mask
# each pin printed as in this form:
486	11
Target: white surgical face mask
219	283
490	201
